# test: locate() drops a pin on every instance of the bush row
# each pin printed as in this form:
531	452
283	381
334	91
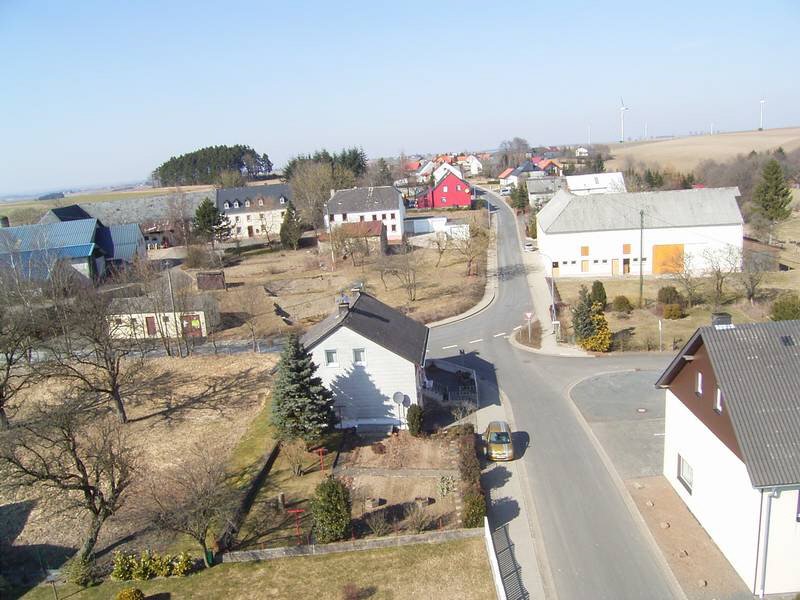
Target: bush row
474	502
148	565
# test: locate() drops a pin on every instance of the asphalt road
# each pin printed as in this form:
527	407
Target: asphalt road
594	547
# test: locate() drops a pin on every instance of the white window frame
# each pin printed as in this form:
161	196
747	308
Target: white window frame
261	202
247	203
283	200
718	401
227	205
685	473
363	361
444	200
334	362
458	187
236	204
698	383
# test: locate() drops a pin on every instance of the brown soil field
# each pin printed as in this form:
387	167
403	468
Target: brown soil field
684	154
398	493
402	451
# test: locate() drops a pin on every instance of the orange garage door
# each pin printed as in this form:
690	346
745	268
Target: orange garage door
667	258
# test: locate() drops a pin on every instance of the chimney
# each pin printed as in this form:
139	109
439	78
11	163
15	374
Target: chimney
721	320
343	305
4	222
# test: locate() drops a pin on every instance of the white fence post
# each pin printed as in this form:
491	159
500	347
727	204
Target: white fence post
498	580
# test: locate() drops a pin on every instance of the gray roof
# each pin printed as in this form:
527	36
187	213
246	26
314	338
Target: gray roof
121	241
365	199
378	322
568	213
271	194
757	366
141	209
47	236
546	185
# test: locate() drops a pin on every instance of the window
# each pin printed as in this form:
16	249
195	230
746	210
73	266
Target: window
718	401
458	188
247	217
554	265
604	261
344	216
237	218
238	230
444	189
282	200
644	259
261	202
383	216
563	262
374	217
595	261
685	473
166	319
236	204
261	216
283	212
227	205
444	200
393	216
330	358
626	248
698	384
359	356
394	227
247	202
117	321
573	262
584	250
361	218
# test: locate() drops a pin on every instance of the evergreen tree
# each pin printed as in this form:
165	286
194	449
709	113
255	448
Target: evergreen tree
331	508
598	294
209	223
598	165
582	316
786	307
772	196
383	175
519	196
600	340
301	406
291	229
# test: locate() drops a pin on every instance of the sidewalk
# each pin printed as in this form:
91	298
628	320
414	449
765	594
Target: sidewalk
510	518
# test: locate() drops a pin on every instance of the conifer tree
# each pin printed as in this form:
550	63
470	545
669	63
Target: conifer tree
331	509
301	406
209	223
600	340
291	230
598	294
582	321
772	196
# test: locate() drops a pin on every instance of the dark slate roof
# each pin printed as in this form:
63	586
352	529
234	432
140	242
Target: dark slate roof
757	366
525	167
365	199
271	194
73	212
378	322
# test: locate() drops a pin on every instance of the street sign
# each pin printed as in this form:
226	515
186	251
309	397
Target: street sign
528	315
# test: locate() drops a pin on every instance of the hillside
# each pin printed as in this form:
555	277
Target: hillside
684	154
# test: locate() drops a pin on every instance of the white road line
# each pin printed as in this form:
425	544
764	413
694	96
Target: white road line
475	341
499	334
659	434
517	327
448	347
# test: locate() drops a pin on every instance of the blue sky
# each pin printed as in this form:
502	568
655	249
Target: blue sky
102	92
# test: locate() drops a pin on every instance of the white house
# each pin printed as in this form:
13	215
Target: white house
599	234
596	183
354	205
256	210
732	445
156	317
371	357
425	170
473	165
581	152
443	169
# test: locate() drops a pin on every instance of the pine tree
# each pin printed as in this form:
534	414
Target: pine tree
772	196
301	406
209	223
383	175
598	294
520	196
291	230
582	316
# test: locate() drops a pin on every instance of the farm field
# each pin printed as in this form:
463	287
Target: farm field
378	574
684	154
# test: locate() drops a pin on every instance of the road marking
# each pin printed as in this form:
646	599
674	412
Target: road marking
517	327
499	334
659	434
475	341
448	347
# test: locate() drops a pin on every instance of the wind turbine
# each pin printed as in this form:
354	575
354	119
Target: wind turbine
622	109
761	118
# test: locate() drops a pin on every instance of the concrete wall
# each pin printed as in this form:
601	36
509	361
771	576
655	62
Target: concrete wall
364	393
604	246
390	218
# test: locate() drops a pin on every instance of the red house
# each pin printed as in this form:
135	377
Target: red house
448	192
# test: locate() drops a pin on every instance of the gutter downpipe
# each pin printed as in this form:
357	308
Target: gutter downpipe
774	493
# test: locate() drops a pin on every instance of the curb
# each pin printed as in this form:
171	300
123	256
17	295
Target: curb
519	346
677	590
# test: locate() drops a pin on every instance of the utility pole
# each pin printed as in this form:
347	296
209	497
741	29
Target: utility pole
641	257
174	321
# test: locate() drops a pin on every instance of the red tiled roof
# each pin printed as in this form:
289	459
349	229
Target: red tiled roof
505	173
413	165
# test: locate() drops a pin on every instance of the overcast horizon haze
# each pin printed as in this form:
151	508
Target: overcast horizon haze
107	92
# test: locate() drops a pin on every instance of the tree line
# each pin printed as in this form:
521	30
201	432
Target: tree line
219	165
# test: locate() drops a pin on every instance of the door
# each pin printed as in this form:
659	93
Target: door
150	324
554	268
626	266
249	231
615	266
584	266
191	325
668	258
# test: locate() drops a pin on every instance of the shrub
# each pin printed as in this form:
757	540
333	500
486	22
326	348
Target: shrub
80	572
474	510
144	568
446	485
600	340
468	466
130	594
786	307
417	518
162	565
669	295
200	257
377	523
414	417
673	311
621	304
461	429
182	565
378	448
330	508
598	294
123	565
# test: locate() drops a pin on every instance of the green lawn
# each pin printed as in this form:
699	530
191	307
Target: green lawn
458	569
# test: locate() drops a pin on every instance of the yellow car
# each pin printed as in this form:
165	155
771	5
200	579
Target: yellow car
497	441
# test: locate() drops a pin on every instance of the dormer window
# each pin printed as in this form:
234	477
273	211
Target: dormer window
247	202
282	200
227	205
261	202
236	204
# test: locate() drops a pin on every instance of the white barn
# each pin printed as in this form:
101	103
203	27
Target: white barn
596	183
598	235
370	356
732	445
384	204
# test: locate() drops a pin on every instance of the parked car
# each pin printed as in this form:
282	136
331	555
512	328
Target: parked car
529	247
497	441
506	191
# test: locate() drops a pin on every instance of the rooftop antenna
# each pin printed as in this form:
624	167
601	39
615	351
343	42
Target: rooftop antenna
761	117
622	109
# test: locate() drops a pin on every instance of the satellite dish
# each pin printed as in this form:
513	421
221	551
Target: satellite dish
398	397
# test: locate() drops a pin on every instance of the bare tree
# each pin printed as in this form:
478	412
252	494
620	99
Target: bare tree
513	152
442	244
297	454
77	454
179	216
403	267
683	271
193	496
754	266
474	245
16	344
720	264
253	302
311	185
